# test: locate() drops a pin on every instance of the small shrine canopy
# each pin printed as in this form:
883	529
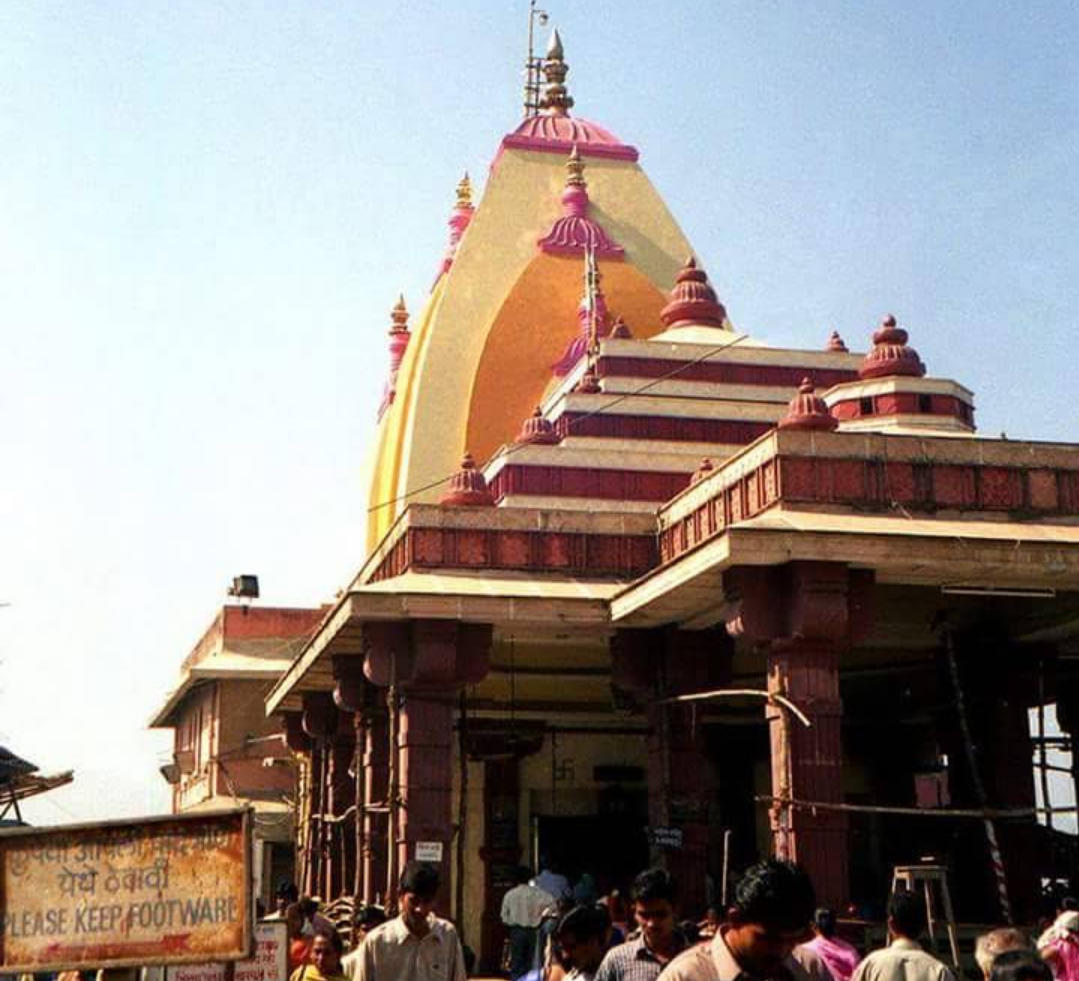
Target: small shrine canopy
20	779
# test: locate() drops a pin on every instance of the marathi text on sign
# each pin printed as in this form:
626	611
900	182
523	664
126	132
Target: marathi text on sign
155	891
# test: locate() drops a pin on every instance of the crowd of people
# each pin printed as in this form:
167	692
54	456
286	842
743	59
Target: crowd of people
772	930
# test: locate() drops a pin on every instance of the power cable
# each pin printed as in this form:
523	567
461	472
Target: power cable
615	400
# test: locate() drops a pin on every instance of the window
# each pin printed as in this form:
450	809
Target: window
925	403
865	407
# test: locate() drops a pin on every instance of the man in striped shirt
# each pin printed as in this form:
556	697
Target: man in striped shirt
657	940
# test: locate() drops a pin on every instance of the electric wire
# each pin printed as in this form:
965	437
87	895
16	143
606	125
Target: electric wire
615	400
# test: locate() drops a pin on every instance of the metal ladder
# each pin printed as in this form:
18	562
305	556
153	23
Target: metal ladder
909	878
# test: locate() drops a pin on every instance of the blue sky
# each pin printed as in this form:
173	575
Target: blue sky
208	208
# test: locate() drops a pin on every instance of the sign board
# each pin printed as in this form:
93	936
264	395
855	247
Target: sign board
269	963
665	838
428	851
162	890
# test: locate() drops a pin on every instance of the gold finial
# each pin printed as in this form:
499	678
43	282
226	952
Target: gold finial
464	192
554	47
556	99
399	315
575	169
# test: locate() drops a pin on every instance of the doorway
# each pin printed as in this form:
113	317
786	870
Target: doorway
610	848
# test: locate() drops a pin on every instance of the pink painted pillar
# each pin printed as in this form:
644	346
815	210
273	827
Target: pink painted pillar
807	765
425	757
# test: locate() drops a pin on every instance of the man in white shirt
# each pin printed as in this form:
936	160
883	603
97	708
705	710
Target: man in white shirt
416	945
903	959
522	910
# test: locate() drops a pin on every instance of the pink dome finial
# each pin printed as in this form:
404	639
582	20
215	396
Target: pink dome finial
890	355
836	343
468	488
399	338
556	99
693	301
808	411
620	330
706	468
538	429
459	220
575	232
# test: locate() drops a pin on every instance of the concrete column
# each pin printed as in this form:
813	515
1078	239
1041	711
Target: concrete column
653	666
805	616
426	663
425	755
807	765
376	755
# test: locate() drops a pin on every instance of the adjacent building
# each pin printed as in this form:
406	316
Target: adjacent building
226	753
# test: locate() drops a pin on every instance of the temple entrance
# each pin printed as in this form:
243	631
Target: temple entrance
610	848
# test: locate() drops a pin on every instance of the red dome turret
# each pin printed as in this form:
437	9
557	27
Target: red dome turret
538	429
836	343
808	411
890	355
693	301
468	488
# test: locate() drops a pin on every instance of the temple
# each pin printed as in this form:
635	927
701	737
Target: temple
636	579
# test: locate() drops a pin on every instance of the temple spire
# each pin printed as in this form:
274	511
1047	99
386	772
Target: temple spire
459	219
556	99
399	335
574	231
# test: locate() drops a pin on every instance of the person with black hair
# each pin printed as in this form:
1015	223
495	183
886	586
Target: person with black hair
581	936
364	920
284	896
770	916
903	959
840	957
657	940
1019	965
416	945
325	961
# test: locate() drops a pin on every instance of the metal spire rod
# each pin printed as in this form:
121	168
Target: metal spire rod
591	286
533	64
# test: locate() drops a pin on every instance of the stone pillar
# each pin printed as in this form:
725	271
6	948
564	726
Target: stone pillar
376	755
804	616
426	662
319	721
807	764
652	666
299	744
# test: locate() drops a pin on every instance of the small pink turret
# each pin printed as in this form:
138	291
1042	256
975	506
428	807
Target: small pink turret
836	343
621	330
890	355
693	301
575	232
459	220
468	488
538	429
399	337
808	411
